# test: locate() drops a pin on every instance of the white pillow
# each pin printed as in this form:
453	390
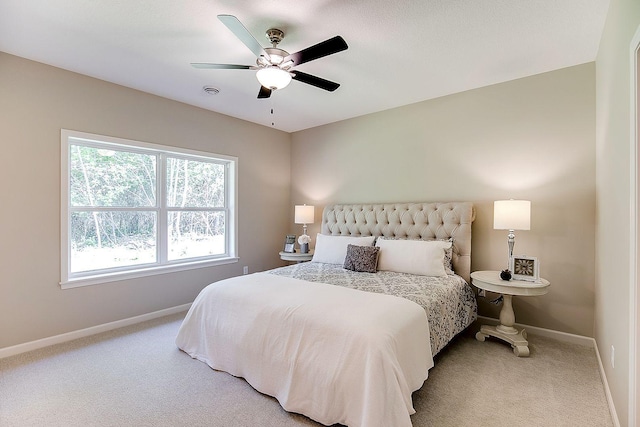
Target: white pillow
333	249
422	257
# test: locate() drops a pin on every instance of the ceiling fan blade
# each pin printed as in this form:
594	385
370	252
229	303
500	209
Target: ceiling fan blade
264	92
243	34
314	81
327	47
221	66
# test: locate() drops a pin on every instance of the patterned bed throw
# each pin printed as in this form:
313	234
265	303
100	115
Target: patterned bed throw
449	301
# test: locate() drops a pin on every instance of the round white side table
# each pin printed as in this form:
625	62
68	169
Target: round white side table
491	281
296	256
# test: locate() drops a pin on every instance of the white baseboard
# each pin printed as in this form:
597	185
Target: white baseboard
549	333
607	390
69	336
571	338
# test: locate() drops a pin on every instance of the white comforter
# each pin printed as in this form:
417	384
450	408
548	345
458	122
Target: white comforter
334	354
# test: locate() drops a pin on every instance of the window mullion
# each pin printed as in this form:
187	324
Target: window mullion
161	205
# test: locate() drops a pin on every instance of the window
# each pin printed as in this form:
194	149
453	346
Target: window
131	209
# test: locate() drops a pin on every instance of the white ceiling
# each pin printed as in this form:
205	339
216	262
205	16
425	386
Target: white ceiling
400	52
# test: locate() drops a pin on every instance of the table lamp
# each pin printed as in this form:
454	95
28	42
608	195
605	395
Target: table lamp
304	215
511	215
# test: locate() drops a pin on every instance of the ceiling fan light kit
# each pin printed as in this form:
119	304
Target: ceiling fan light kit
273	78
274	65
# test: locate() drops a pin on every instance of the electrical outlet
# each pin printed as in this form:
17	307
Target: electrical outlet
245	269
613	357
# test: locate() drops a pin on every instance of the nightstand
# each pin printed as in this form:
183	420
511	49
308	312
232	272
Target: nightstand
491	281
296	256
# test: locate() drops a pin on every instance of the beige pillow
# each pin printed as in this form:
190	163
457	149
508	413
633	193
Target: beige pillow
421	257
333	249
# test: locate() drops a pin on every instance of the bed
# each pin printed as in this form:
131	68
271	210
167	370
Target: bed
336	339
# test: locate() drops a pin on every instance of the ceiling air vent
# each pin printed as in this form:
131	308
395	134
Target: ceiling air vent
210	90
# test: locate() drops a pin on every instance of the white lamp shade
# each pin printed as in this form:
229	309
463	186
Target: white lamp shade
304	214
512	215
273	77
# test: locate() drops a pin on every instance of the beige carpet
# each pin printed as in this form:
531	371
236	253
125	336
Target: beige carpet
136	376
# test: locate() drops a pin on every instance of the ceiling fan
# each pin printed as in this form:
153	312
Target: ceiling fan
275	66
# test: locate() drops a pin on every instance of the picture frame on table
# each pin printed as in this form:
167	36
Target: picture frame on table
290	243
525	268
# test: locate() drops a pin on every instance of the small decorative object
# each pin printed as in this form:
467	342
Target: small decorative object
304	241
289	243
505	275
525	268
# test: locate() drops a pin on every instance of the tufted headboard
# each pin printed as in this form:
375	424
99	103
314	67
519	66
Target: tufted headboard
426	221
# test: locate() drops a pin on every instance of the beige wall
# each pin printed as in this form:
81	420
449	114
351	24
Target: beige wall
613	180
532	138
36	101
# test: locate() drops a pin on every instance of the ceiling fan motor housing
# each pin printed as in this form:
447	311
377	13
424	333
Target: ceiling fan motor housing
276	56
275	36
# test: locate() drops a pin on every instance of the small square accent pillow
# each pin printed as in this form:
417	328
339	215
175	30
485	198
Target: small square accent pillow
448	260
362	258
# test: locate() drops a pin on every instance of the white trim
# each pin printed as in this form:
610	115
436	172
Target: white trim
105	139
574	339
65	259
634	293
607	390
69	336
133	274
549	333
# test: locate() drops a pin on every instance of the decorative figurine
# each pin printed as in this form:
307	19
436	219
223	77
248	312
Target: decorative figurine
505	275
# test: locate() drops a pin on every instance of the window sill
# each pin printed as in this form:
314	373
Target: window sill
145	272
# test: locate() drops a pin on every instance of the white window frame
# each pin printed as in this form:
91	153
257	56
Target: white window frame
162	265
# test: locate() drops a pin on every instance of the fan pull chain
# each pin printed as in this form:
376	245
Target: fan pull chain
273	123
